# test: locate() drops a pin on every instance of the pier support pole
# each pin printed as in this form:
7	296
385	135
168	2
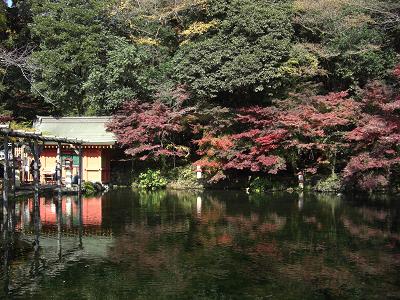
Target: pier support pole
59	199
36	180
80	172
6	172
14	164
58	167
80	196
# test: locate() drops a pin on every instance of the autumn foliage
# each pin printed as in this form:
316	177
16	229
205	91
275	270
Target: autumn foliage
150	130
355	137
5	119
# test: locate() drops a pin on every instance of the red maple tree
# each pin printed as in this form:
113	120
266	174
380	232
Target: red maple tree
151	129
375	141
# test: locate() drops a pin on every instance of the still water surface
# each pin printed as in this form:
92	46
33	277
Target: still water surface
206	245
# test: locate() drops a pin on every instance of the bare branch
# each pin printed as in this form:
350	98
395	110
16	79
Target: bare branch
19	58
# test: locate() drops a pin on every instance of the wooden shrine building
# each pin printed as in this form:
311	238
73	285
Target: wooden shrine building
96	149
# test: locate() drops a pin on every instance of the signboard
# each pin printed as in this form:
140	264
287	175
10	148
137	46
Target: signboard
74	157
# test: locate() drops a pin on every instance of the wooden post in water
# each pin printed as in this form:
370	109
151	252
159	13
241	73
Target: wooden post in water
58	167
14	163
36	180
80	172
80	196
6	245
59	220
59	198
6	171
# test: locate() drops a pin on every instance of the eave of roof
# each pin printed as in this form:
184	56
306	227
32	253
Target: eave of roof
92	130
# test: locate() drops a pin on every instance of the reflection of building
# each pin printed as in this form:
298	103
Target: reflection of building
97	149
91	212
60	248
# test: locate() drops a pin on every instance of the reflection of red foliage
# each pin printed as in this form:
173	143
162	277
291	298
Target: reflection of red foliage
266	249
268	227
367	232
225	239
5	119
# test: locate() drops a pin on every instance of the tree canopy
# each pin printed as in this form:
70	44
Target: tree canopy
261	86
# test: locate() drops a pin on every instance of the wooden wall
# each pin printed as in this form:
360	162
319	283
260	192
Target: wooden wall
96	164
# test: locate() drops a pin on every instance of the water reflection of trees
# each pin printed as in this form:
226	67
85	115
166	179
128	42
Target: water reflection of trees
258	240
212	244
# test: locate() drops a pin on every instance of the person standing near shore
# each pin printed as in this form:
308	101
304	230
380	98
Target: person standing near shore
26	171
301	180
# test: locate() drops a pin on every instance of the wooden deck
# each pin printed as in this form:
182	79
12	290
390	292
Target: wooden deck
28	190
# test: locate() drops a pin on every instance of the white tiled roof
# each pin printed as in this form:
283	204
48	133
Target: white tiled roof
89	129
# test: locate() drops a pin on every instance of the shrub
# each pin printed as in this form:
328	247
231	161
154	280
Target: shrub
89	188
151	180
332	183
259	185
183	177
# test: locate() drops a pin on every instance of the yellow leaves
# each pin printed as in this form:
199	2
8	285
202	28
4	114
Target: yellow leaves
184	42
198	28
301	63
156	10
123	4
145	41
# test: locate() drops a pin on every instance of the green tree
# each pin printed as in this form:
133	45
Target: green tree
122	76
15	70
347	37
72	39
234	50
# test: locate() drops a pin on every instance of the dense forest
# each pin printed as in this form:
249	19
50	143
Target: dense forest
267	88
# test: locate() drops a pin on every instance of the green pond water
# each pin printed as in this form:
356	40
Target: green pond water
201	245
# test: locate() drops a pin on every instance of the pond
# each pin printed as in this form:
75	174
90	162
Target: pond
202	245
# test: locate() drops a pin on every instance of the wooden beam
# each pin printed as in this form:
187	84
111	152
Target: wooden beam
38	136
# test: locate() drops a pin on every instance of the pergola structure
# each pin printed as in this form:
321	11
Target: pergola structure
33	139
